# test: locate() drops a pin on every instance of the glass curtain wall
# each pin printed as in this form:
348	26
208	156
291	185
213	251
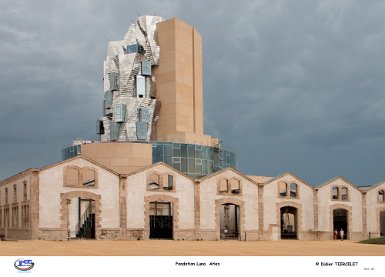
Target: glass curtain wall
191	159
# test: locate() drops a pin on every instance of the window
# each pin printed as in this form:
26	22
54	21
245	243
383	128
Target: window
146	67
99	127
15	217
381	196
80	177
25	195
153	181
71	176
1	218
223	185
113	76
6	195
282	189
144	115
235	186
170	183
335	193
114	130
25	216
140	86
88	177
6	218
141	130
120	113
293	190
344	193
135	48
14	193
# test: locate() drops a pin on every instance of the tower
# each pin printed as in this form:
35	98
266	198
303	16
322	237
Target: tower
153	103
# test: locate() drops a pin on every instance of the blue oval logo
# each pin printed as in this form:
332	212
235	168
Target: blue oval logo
24	264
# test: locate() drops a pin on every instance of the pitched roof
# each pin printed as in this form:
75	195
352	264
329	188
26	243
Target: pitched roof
260	179
224	170
339	178
80	157
156	164
18	175
291	174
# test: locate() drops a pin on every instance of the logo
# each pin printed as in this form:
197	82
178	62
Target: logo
24	264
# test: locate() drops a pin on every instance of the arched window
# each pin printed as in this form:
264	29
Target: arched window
335	193
223	185
381	196
71	176
168	183
153	181
88	177
293	190
344	193
282	189
235	186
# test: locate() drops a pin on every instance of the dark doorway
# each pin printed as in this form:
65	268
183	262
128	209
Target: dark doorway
289	225
382	223
161	220
229	221
340	221
86	215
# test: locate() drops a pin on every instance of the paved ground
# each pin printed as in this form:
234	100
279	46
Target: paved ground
188	248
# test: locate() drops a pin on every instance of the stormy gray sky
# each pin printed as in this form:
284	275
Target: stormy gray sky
289	85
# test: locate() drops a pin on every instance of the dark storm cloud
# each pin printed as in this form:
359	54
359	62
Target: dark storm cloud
289	85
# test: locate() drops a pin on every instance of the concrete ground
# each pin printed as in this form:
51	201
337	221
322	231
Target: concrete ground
188	248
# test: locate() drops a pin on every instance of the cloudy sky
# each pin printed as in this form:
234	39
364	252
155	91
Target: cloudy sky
289	85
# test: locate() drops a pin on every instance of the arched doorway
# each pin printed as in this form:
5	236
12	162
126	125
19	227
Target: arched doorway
382	223
229	221
289	222
81	217
340	221
161	220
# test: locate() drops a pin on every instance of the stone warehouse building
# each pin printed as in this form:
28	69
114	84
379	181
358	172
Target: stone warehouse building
154	174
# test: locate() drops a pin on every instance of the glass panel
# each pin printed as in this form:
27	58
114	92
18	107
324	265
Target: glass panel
168	150
114	130
183	148
108	96
120	113
141	130
191	151
176	166
113	76
146	68
160	208
99	127
133	48
191	166
140	86
176	152
183	165
198	169
144	115
157	153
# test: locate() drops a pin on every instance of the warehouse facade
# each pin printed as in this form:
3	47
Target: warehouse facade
154	174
